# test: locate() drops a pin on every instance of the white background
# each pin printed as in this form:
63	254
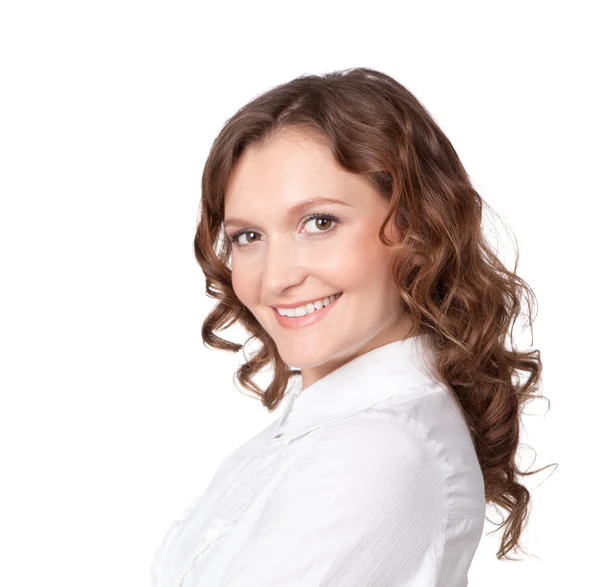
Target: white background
114	416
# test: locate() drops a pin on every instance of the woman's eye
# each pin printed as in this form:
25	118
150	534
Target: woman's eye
323	224
249	235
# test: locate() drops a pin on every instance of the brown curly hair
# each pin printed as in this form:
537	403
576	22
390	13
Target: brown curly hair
449	280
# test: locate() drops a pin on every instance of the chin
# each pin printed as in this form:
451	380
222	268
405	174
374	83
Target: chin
301	358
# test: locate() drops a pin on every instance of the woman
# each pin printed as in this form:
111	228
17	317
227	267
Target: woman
340	228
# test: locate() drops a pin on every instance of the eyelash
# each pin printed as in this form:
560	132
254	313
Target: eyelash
234	238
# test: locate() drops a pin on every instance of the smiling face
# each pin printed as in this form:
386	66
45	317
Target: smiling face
281	257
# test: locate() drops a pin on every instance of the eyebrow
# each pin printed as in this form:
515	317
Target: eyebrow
295	209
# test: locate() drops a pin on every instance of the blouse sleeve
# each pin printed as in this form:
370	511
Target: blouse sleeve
366	504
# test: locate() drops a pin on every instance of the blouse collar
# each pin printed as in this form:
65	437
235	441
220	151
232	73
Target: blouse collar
393	369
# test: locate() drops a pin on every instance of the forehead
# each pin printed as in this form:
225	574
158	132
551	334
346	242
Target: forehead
289	168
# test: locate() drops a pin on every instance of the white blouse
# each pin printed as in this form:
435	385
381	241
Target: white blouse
368	478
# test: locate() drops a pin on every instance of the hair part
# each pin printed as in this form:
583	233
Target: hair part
449	280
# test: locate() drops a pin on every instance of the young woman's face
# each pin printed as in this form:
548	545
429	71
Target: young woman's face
281	257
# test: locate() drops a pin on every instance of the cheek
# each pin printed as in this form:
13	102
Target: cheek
360	262
243	283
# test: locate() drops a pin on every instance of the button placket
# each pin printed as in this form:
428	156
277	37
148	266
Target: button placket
217	529
286	417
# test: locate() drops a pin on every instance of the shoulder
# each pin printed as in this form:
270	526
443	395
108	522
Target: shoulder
435	414
384	431
378	450
400	426
419	443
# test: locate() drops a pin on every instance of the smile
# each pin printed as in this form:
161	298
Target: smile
307	314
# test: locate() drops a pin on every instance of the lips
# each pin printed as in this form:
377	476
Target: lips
297	304
307	319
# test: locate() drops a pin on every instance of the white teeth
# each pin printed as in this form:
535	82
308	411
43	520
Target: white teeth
308	308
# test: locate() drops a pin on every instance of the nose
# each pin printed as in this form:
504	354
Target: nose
283	264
